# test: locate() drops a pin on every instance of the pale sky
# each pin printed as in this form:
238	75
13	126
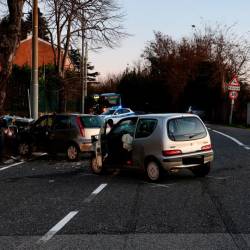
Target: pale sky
171	17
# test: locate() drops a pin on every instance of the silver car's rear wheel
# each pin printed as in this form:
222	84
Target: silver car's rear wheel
72	152
153	171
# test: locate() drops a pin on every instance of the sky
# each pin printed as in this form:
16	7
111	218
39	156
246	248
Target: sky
171	17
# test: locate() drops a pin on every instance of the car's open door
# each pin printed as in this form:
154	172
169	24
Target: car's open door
116	141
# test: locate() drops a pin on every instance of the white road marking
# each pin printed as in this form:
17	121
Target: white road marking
95	192
57	227
230	137
22	162
247	148
12	165
99	189
68	217
89	175
158	185
38	154
219	178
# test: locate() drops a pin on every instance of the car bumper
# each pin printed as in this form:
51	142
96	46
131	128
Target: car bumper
86	146
187	160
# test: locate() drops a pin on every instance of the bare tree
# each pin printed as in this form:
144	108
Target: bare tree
10	31
99	20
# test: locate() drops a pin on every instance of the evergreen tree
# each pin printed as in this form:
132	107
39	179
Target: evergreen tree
43	30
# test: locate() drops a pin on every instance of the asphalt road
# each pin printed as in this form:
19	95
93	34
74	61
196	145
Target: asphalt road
54	204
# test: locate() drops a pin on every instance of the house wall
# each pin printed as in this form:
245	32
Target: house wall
23	54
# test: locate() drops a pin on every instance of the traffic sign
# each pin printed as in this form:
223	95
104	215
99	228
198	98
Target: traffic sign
233	95
233	88
234	84
234	81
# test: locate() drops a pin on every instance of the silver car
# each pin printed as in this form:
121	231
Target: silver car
155	143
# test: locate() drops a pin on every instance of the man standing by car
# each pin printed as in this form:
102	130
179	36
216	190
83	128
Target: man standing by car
1	139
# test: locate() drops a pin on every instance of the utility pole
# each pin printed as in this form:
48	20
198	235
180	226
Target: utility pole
83	64
34	82
86	70
231	112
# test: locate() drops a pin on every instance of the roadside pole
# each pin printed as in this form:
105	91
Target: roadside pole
30	116
86	70
231	112
234	88
82	76
34	83
83	63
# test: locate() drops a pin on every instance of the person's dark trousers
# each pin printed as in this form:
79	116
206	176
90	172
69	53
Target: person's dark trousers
1	144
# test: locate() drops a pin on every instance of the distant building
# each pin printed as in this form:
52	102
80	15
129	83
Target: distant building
49	95
23	55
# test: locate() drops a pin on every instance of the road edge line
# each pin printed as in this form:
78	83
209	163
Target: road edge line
230	137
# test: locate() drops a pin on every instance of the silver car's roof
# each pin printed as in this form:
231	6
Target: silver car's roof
165	115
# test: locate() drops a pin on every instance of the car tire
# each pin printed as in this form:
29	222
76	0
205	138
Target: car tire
153	171
94	166
24	149
202	170
72	152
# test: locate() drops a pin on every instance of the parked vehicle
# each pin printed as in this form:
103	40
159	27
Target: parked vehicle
102	102
11	126
14	124
113	115
155	143
69	133
193	110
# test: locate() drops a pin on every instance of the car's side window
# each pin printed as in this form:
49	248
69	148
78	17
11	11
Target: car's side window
62	122
145	127
118	112
49	122
125	127
41	122
124	111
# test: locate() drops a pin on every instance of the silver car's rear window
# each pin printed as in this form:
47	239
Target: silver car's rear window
185	129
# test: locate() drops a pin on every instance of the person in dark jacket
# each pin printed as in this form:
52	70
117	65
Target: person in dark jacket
2	126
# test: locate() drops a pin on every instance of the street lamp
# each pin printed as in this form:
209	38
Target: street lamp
34	82
84	60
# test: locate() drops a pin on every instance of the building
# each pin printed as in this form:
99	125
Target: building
23	55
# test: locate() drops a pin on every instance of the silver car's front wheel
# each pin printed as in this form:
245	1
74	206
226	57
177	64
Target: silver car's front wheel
153	171
96	167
